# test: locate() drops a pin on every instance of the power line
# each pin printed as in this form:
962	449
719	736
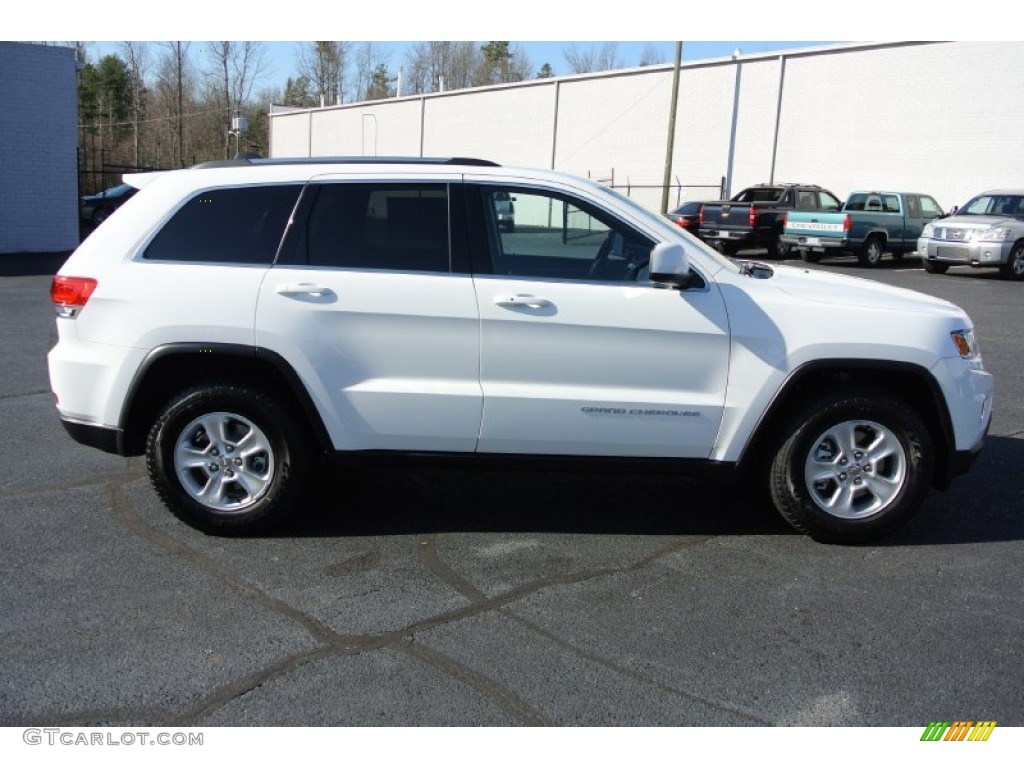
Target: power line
156	119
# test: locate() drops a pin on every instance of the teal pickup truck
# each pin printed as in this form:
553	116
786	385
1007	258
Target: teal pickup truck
869	224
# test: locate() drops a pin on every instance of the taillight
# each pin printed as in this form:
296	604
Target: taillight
752	219
700	216
69	294
847	224
785	220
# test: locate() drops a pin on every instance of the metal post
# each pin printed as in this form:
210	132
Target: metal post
670	143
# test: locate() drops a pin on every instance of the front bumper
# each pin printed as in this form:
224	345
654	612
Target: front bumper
971	253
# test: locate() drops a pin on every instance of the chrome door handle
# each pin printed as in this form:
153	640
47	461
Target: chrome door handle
521	300
299	289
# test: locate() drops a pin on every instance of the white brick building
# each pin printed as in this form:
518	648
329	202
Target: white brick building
940	118
38	148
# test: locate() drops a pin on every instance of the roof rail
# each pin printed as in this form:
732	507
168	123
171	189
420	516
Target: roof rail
356	160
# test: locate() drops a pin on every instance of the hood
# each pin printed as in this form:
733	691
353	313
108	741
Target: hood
975	222
831	288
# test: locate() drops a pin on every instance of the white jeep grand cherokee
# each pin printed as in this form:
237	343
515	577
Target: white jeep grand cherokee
239	321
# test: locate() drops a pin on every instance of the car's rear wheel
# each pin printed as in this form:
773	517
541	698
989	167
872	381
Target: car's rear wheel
852	467
778	249
871	253
811	257
227	459
1013	269
934	267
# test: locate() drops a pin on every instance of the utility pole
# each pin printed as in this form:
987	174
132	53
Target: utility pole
670	144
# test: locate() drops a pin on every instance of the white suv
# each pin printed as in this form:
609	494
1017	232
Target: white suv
239	321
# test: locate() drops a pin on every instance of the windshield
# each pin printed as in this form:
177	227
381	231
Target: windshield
994	205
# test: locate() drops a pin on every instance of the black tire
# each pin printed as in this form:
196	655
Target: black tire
811	257
249	492
1013	269
934	267
778	249
869	499
871	252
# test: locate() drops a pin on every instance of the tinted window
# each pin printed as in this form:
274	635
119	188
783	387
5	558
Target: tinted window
241	225
760	195
828	202
806	200
559	237
929	208
379	226
913	207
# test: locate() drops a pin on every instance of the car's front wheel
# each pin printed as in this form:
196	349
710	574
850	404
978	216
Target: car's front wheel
934	267
1013	269
227	459
852	467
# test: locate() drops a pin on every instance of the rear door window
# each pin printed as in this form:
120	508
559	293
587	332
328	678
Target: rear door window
392	226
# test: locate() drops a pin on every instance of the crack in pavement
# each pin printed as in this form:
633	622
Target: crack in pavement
330	642
26	394
436	565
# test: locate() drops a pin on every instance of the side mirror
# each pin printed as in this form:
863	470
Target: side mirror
670	265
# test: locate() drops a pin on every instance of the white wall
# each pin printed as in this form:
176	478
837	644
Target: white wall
38	148
939	118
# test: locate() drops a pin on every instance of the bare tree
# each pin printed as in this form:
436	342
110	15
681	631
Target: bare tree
136	55
173	84
324	64
370	60
592	59
651	54
431	63
234	67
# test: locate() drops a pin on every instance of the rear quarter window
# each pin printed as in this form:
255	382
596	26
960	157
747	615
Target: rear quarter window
240	225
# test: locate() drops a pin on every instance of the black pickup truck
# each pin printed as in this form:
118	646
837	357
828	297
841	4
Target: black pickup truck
755	217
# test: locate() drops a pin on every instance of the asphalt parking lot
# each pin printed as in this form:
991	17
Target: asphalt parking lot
440	598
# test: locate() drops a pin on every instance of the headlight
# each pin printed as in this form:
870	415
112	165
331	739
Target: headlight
928	231
995	234
965	343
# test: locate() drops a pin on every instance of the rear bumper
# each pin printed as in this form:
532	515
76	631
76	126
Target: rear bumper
108	439
815	242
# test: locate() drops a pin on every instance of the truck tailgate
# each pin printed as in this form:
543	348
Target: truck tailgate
811	227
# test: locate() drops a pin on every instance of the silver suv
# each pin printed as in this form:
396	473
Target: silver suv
987	231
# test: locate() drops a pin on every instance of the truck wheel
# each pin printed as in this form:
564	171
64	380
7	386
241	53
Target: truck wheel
778	249
728	249
934	267
871	252
227	459
853	466
811	257
1013	269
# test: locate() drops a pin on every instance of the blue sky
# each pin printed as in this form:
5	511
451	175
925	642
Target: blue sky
281	56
